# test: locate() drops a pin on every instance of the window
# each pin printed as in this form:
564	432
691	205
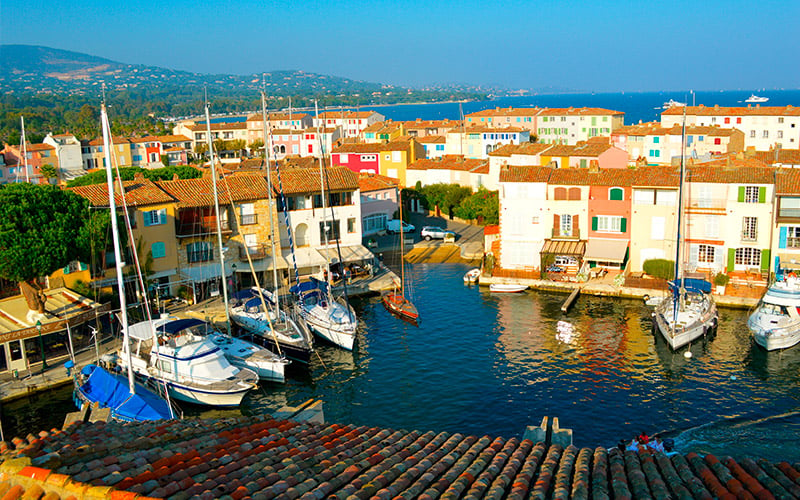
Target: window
765	134
749	228
247	214
752	133
749	194
343	158
705	254
615	194
351	225
329	230
780	119
200	251
608	224
727	119
560	193
793	237
155	217
713	119
717	141
750	257
158	249
644	196
574	193
440	147
780	134
656	140
566	225
739	120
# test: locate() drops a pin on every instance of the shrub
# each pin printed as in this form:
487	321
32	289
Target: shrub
660	268
721	279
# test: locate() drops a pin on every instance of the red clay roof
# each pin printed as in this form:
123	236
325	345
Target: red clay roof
419	123
138	192
730	175
276	116
200	127
786	156
337	115
497	112
525	148
259	457
717	110
514	173
449	162
375	182
787	181
431	139
655	128
579	112
307	180
200	192
375	147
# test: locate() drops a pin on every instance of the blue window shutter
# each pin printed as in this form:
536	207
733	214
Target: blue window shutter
65	270
162	216
147	219
782	237
83	266
158	249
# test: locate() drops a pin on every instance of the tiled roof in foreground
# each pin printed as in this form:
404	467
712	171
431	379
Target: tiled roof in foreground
256	457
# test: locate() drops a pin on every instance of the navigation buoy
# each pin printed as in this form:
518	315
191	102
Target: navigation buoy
733	377
687	354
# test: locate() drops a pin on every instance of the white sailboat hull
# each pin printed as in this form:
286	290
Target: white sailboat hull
206	398
332	323
240	353
683	325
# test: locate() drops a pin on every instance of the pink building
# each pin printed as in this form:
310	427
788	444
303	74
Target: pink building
360	158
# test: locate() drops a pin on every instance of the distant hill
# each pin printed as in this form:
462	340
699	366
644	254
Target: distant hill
35	69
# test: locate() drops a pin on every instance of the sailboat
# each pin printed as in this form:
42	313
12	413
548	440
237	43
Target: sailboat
395	301
329	316
266	364
259	311
692	311
128	400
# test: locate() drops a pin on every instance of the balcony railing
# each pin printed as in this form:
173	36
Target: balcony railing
749	236
200	226
574	235
256	252
248	219
200	256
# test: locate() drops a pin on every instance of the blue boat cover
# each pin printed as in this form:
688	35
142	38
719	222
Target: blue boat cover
173	327
245	294
111	391
691	285
307	286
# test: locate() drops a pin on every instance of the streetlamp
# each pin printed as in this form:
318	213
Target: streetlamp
41	345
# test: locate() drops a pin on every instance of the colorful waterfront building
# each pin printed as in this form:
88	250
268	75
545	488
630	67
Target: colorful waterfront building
358	157
379	195
764	127
449	169
479	141
385	131
434	145
420	128
351	122
654	144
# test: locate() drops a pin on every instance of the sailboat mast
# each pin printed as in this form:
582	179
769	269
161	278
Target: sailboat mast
271	202
679	253
117	251
322	188
402	244
219	223
24	150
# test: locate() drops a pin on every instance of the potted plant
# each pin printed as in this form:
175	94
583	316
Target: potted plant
720	280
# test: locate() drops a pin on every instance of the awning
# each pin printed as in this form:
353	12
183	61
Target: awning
606	250
789	261
308	257
162	274
205	272
264	264
352	253
564	247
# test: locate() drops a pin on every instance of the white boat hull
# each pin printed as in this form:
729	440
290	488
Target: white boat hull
775	324
243	354
207	398
507	288
472	276
342	334
689	324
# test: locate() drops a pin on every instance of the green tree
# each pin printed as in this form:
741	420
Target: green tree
49	172
256	147
128	173
165	160
445	196
483	205
39	227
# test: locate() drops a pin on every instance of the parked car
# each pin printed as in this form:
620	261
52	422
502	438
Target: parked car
435	233
393	227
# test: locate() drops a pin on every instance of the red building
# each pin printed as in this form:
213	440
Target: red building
360	158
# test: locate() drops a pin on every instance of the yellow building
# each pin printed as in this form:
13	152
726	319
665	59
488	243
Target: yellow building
395	157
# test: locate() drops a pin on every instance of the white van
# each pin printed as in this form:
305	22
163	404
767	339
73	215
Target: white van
393	227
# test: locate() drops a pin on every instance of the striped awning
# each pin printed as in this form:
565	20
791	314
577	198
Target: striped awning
564	247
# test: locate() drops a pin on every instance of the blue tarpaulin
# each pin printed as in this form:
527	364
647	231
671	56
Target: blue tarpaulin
111	391
691	285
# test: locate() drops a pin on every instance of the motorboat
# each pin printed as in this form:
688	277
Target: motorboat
177	353
507	288
472	276
279	330
243	354
688	314
755	98
673	103
329	316
775	323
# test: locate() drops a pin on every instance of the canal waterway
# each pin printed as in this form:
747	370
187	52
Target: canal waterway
491	364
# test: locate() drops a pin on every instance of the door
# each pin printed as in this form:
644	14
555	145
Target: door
16	357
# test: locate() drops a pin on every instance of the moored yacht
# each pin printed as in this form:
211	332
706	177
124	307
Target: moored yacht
194	369
755	98
775	323
688	314
331	317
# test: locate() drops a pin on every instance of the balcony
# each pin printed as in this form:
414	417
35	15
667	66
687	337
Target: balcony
749	236
256	252
200	226
204	255
574	235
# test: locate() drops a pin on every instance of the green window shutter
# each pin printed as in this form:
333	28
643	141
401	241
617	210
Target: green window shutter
623	225
762	194
594	223
731	259
765	259
741	194
65	270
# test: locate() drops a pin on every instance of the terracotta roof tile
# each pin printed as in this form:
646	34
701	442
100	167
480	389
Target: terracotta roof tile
526	148
655	128
202	127
172	138
138	192
425	124
116	140
587	177
579	112
200	192
375	182
38	147
432	139
717	110
593	149
730	175
259	457
276	116
374	147
306	180
449	162
331	115
785	156
513	173
787	181
497	112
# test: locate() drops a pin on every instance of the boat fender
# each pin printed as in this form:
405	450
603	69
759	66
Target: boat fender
646	298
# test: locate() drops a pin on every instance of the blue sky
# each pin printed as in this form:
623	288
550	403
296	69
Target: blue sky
581	45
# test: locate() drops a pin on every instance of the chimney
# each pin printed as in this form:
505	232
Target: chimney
175	177
594	167
138	176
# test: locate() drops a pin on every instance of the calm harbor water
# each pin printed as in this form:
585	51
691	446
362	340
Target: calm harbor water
482	363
